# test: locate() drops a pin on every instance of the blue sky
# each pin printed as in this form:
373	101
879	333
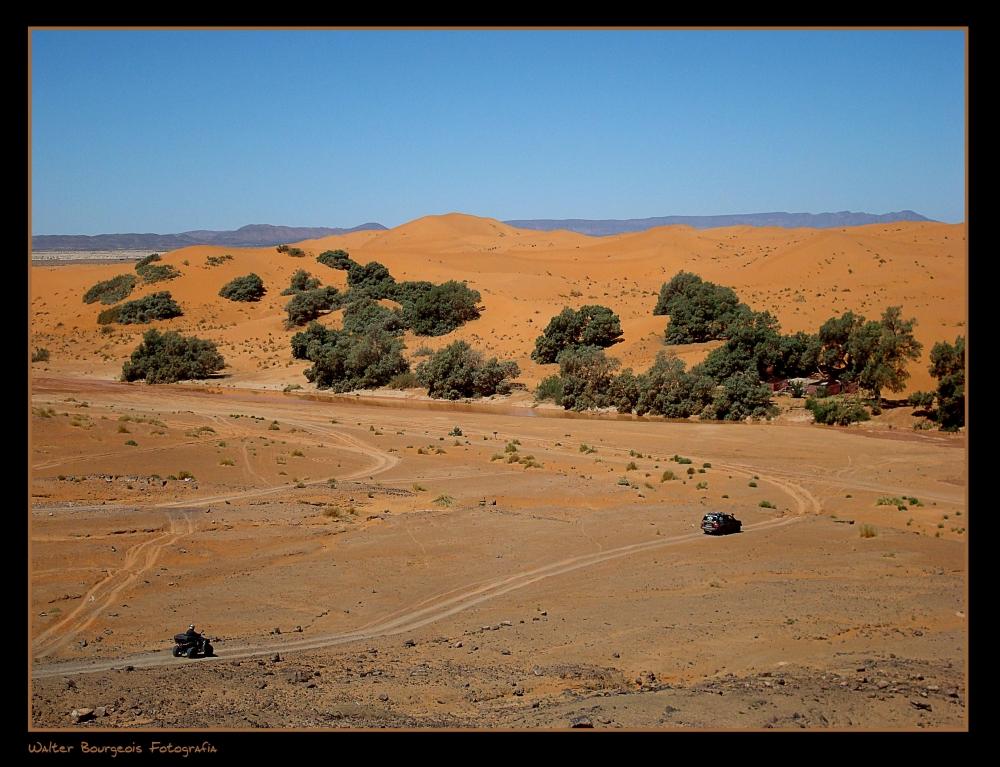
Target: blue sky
157	131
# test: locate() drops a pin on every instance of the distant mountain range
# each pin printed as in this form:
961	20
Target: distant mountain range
265	235
252	236
602	228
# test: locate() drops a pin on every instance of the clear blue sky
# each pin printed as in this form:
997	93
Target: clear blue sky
172	131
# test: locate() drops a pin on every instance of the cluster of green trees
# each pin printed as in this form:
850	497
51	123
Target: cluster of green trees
458	371
248	288
591	326
948	367
111	291
170	357
301	281
156	306
344	361
426	308
728	385
153	272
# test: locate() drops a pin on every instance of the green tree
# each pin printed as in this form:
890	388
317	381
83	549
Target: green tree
248	288
458	371
699	311
344	361
741	396
336	259
753	344
891	348
301	281
669	390
948	367
170	357
587	375
366	315
443	308
595	326
310	304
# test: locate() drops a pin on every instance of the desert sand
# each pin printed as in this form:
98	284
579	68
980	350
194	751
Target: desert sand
374	602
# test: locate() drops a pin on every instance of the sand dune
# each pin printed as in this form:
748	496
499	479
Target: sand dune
803	276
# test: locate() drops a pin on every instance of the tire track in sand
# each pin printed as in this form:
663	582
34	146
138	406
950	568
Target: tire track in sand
429	611
138	559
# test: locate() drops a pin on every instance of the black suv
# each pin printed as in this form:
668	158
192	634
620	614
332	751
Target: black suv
717	523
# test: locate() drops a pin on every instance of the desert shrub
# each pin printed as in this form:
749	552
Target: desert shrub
456	432
156	306
227	462
690	471
310	304
345	361
423	351
668	476
109	315
301	281
458	371
667	389
631	466
587	375
741	396
217	260
510	447
835	411
915	502
867	531
445	500
111	291
699	311
442	309
282	248
706	466
170	357
131	443
153	272
701	486
549	390
296	252
40	355
248	288
335	259
403	381
366	314
45	412
123	429
623	481
418	488
767	505
184	474
371	280
297	454
594	326
753	484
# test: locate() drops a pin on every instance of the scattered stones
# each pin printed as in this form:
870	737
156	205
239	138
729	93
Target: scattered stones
383	697
921	704
457	644
81	714
100	711
409	643
276	630
505	652
505	623
275	658
260	684
670	710
298	629
83	643
581	723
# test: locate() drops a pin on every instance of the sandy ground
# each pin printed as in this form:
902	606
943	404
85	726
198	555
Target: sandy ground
572	596
525	597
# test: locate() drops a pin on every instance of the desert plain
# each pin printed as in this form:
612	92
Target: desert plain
431	584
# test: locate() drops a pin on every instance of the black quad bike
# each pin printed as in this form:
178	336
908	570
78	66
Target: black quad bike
717	523
192	645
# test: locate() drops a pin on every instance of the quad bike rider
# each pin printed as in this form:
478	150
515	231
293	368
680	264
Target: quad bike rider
190	643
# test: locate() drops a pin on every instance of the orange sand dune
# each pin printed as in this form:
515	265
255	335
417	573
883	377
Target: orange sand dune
803	276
